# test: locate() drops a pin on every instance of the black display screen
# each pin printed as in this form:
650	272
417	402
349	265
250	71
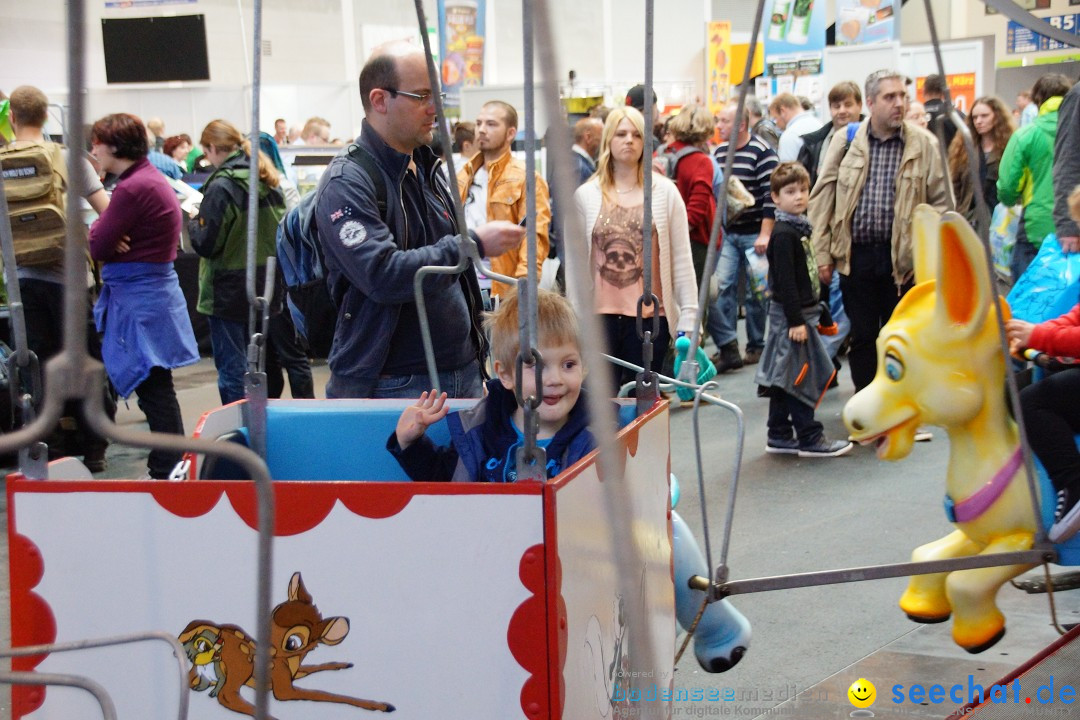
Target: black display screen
155	49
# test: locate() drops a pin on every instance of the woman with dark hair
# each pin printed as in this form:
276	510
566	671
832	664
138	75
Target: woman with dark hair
141	310
991	125
219	236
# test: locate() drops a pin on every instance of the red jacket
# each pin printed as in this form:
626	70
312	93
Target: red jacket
694	178
1060	336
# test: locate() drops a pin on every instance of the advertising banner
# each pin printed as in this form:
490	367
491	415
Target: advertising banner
862	22
461	39
718	64
961	89
795	45
1019	39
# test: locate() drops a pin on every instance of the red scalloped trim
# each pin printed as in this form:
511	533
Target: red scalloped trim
33	622
526	636
298	506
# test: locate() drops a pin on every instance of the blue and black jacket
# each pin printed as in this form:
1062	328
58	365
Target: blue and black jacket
484	442
371	263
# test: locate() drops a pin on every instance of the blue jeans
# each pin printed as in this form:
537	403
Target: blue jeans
229	340
1023	253
723	313
461	383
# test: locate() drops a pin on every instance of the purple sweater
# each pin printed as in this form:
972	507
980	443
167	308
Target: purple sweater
144	208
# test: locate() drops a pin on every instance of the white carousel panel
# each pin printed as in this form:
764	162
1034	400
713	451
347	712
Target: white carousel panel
428	592
605	630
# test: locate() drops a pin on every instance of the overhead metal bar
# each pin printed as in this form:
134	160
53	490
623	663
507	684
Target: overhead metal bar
1018	14
1010	378
530	460
690	368
469	254
616	505
646	391
877	572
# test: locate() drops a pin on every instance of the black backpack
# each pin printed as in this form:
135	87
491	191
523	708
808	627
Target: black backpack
303	266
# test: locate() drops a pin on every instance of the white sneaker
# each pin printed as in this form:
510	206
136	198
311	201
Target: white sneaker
1066	517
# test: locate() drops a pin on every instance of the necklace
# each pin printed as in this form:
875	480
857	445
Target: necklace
623	192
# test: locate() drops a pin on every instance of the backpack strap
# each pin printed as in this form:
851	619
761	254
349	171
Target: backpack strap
363	158
680	154
56	153
852	128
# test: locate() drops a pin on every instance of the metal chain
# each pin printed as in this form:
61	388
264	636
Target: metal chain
531	460
646	391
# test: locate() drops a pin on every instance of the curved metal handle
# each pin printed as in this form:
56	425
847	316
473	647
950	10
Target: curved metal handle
108	709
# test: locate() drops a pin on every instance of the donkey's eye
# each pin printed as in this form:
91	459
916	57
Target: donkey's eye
894	367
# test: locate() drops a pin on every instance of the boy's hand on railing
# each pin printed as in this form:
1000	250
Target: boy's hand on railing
416	419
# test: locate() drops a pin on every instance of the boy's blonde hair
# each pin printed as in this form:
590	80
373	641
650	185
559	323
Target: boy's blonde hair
556	324
1074	204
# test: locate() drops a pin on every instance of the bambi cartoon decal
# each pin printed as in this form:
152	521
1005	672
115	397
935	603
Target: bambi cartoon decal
223	656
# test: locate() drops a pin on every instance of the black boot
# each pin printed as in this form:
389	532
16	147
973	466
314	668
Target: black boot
728	358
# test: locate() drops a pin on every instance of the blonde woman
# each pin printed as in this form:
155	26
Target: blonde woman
611	204
219	236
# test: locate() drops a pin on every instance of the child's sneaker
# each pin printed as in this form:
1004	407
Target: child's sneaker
782	446
1066	516
827	448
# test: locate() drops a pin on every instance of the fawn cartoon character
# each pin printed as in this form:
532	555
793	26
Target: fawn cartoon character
223	656
940	363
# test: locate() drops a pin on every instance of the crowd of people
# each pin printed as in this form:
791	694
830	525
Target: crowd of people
827	203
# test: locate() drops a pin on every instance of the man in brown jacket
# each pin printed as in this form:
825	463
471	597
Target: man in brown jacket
861	212
492	187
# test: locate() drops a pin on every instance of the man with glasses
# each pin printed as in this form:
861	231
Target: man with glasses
376	233
492	187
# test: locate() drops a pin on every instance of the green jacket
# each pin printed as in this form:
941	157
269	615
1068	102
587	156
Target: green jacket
219	236
1026	172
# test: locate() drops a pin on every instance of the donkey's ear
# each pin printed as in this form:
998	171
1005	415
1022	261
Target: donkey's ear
963	287
925	222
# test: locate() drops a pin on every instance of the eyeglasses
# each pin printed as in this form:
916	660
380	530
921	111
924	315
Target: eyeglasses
426	97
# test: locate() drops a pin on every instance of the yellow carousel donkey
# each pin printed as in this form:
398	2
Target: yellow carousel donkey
940	363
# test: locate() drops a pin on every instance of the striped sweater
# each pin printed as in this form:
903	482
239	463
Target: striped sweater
754	164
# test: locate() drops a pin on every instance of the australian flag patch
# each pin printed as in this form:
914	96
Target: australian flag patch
341	214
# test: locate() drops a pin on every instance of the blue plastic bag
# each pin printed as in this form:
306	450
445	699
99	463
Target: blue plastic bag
1050	287
1003	227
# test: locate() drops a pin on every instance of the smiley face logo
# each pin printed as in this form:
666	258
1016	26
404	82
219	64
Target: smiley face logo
862	693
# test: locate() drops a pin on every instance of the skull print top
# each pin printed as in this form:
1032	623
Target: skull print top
618	260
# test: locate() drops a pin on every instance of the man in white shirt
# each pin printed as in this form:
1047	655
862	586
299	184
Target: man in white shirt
788	114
